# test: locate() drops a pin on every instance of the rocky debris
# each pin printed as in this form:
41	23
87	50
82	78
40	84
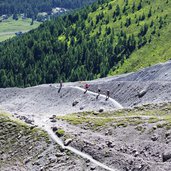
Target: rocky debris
53	120
27	161
136	154
54	129
110	144
75	103
154	137
52	159
154	127
67	141
168	134
142	93
101	110
95	113
25	119
33	126
59	154
81	108
93	167
166	155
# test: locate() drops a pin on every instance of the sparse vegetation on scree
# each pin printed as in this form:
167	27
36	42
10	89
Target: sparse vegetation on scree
15	135
159	114
108	37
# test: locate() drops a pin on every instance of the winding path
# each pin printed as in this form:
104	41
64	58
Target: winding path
86	156
118	105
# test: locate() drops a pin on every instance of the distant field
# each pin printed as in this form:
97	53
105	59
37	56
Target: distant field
9	27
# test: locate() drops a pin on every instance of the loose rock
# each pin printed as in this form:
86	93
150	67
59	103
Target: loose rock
67	142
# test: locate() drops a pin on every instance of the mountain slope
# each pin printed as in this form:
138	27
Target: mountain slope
159	50
90	43
126	139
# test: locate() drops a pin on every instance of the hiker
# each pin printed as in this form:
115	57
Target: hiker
86	88
98	91
60	87
107	94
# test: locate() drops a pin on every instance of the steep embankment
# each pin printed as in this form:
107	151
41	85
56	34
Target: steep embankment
149	85
28	148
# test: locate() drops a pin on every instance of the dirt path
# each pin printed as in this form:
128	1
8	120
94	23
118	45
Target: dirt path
45	125
115	103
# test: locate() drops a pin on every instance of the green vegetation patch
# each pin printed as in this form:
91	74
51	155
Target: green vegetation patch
9	27
122	118
60	132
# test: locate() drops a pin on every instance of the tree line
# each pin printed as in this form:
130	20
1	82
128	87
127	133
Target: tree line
31	7
77	46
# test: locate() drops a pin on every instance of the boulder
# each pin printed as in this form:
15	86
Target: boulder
75	103
168	133
53	120
142	93
154	137
54	129
166	155
101	110
67	141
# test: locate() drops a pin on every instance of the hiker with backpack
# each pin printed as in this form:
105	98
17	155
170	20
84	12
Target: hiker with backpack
98	91
86	88
60	86
107	94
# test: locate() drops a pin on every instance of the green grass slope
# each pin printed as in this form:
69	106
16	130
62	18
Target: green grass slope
158	50
106	38
9	27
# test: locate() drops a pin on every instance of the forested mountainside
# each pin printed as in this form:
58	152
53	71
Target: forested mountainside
88	44
31	7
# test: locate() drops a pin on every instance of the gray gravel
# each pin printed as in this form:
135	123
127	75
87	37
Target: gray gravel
148	86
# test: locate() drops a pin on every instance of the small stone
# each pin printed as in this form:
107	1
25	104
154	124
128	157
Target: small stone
110	144
34	126
59	154
26	161
154	137
81	108
36	163
75	103
52	159
142	93
87	161
95	113
54	129
166	155
136	154
168	133
92	167
101	110
53	120
40	156
155	127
